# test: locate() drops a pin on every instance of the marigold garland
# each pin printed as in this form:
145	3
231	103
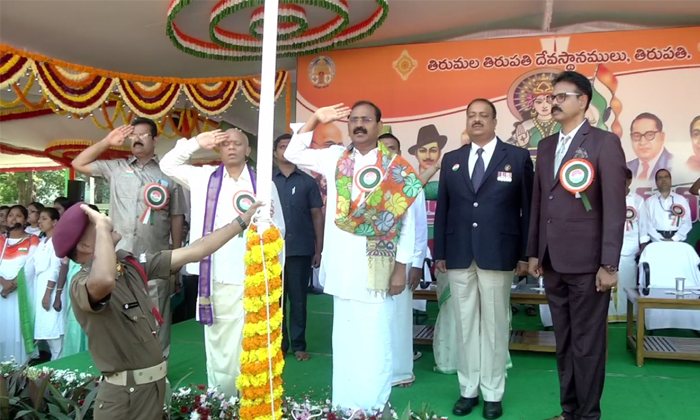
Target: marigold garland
263	315
81	90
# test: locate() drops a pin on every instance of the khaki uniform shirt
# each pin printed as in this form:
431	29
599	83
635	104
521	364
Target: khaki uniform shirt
121	329
128	180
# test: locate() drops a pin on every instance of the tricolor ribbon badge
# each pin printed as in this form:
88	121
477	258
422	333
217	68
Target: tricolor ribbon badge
156	197
631	217
576	176
368	178
242	201
678	212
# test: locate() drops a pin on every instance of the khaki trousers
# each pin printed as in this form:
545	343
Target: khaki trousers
481	300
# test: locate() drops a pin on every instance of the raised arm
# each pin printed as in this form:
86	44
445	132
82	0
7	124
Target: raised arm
86	162
299	150
209	244
175	163
102	278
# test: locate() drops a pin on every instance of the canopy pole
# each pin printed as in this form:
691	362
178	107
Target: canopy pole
266	115
547	18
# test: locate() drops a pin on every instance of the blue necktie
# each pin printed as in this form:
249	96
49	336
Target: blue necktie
478	174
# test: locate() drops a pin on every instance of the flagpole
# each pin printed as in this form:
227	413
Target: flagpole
266	115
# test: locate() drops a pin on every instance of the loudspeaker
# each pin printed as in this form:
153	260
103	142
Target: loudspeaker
76	191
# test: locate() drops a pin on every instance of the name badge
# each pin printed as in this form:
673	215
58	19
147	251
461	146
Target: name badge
129	171
163	183
505	177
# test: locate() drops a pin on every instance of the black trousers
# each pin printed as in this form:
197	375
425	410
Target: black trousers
188	308
297	271
580	316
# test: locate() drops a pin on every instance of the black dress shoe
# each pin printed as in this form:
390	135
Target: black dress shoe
492	410
464	406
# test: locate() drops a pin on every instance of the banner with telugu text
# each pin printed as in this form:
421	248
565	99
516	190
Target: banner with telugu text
423	91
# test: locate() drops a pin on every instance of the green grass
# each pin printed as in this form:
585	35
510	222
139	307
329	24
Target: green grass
659	390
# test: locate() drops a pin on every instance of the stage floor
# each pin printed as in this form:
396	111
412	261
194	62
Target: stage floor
662	389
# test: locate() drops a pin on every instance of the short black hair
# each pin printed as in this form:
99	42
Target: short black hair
377	111
390	136
4	208
580	81
656	175
486	101
38	206
151	123
692	123
277	141
628	172
64	202
648	116
52	213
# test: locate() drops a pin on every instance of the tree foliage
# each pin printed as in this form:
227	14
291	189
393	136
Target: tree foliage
25	187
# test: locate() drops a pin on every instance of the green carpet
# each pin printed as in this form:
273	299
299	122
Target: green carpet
659	390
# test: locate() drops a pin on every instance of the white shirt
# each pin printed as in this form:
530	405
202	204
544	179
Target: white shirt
420	215
569	137
344	270
486	155
227	262
661	218
636	232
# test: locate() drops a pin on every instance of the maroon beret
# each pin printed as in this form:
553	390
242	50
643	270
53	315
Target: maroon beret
69	230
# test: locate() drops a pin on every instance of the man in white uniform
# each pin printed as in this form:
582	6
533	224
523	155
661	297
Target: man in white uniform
635	236
217	195
403	332
669	213
369	242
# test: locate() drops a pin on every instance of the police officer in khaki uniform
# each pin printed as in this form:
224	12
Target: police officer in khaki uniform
110	301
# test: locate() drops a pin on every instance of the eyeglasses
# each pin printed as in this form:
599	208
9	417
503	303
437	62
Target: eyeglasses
355	120
648	136
561	97
143	136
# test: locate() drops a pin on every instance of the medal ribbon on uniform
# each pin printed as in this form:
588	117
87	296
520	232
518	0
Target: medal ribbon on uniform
678	212
156	197
576	176
630	216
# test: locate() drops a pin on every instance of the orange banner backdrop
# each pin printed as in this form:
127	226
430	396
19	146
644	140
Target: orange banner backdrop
640	79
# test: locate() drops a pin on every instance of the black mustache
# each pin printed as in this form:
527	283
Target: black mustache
138	143
556	108
359	130
479	124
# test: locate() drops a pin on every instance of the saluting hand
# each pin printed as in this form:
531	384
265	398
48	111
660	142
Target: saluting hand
210	139
329	114
100	220
117	136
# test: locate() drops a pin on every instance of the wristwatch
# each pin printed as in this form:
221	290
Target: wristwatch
241	222
610	269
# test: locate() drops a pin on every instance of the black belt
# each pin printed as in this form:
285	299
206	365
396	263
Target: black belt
667	234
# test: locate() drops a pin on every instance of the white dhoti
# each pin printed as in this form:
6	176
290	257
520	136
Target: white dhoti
445	336
482	304
627	277
402	338
224	339
362	353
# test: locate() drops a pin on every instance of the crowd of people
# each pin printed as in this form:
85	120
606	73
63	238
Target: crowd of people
498	217
35	308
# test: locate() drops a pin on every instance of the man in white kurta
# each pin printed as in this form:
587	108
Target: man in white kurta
636	234
669	213
403	330
362	319
223	333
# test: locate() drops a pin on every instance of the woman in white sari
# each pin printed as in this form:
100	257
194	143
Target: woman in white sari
50	320
16	303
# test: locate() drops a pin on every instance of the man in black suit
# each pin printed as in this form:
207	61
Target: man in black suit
483	211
